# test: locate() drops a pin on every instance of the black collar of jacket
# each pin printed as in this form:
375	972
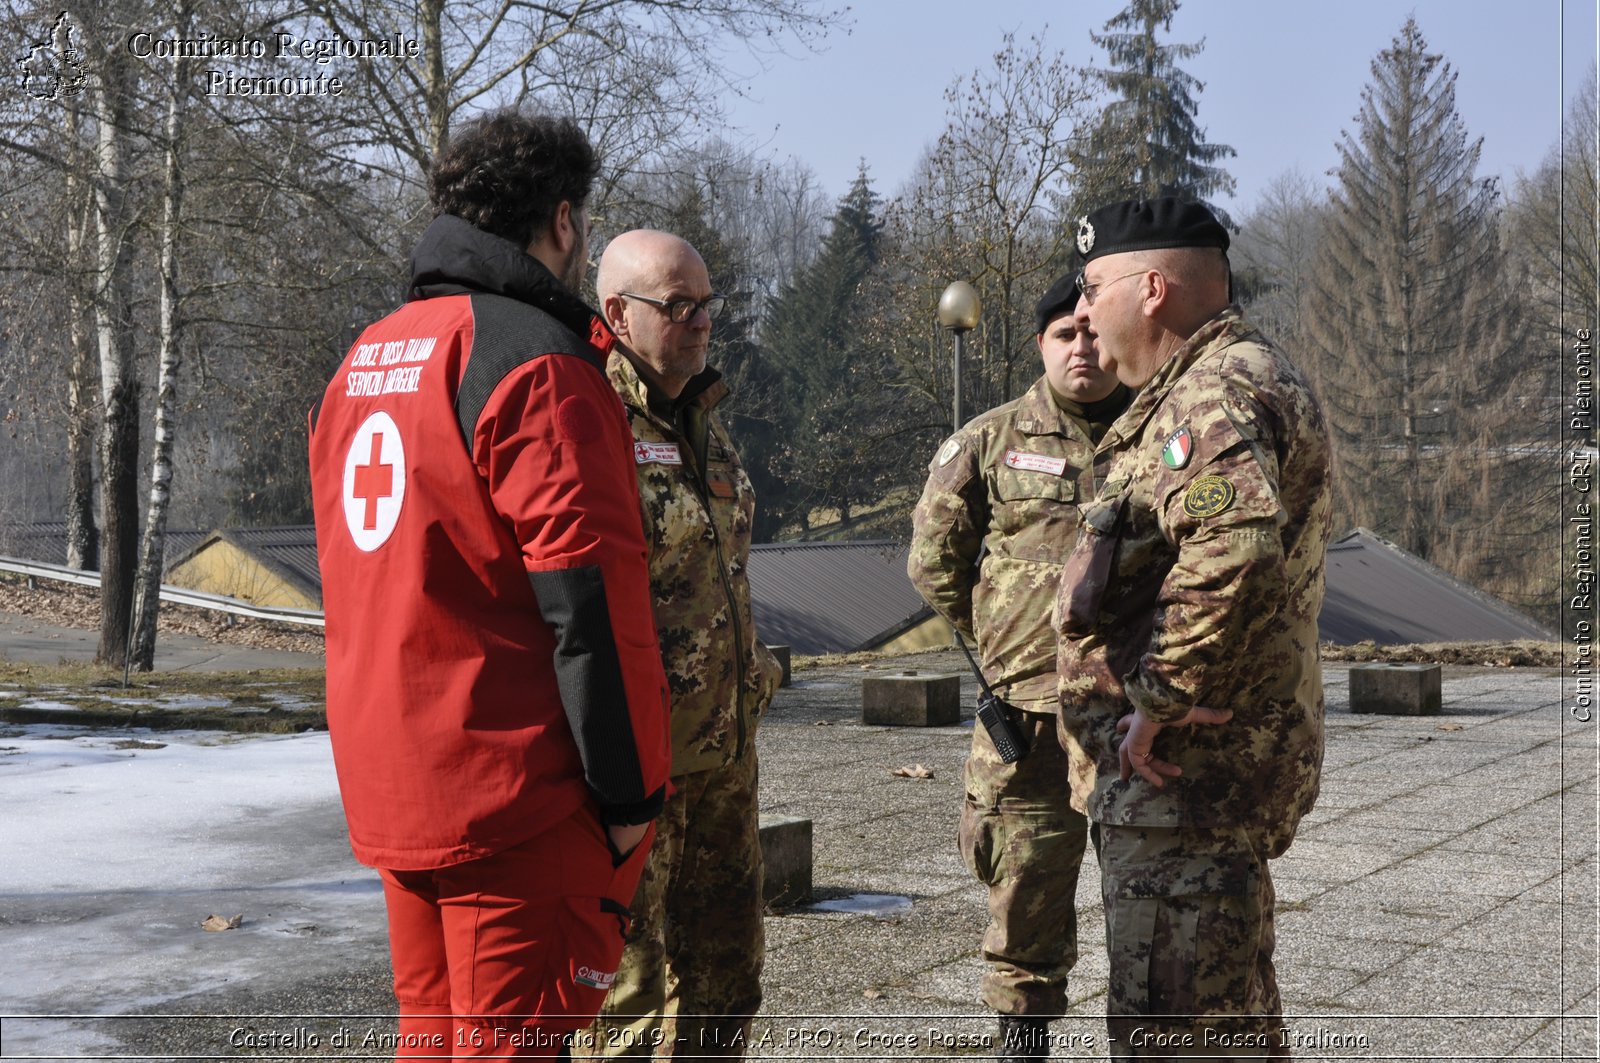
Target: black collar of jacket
454	257
705	388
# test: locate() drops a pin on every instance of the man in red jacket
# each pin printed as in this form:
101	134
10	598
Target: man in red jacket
496	697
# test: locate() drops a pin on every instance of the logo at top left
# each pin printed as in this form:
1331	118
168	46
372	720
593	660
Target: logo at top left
374	481
53	68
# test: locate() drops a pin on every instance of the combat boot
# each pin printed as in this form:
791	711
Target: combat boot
1023	1038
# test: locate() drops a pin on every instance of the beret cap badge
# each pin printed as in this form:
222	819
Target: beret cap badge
1149	224
1085	235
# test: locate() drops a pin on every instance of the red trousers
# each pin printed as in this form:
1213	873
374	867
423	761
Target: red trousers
505	955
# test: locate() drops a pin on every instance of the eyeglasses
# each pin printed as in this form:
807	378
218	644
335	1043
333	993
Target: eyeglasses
1090	291
680	310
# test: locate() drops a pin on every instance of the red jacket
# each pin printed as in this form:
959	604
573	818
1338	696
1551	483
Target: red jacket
492	661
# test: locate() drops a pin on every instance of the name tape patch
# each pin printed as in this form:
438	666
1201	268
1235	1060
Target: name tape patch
1021	459
595	979
657	454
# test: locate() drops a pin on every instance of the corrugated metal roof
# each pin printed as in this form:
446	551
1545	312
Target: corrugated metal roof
1380	592
289	551
832	597
46	541
839	597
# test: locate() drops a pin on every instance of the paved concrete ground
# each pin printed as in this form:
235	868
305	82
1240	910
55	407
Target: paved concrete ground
1440	903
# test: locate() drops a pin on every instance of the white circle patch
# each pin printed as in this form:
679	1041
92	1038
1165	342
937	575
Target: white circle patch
374	481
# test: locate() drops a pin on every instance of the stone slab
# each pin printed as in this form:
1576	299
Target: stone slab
785	860
911	700
782	654
1396	689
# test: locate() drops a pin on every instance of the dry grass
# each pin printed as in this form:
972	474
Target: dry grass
1520	654
66	605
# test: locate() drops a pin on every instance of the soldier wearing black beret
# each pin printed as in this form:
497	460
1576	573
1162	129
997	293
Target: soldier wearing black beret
1187	616
1147	225
997	519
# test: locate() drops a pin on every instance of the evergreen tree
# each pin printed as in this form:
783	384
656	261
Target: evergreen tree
1147	142
1414	336
813	335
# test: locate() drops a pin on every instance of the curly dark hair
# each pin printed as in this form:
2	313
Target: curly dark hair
506	172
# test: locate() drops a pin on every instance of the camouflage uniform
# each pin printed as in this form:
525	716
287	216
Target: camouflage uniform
1011	481
697	937
1197	581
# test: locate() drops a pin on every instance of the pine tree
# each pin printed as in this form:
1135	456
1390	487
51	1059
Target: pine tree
1414	336
813	336
1147	142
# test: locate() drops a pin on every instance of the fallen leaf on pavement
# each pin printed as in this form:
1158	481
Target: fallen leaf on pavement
914	771
217	922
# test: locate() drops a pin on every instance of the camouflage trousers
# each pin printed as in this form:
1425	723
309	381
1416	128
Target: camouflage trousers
1190	934
1021	838
690	977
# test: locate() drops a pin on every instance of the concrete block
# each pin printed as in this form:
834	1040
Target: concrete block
1396	689
785	859
911	700
782	654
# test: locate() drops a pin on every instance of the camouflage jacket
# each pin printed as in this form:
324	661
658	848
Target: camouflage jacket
1197	580
697	530
1011	480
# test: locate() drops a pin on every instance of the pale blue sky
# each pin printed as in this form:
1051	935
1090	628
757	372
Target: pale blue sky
1282	77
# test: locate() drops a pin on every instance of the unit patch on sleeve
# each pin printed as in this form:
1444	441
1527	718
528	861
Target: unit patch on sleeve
1021	459
1208	496
657	454
947	453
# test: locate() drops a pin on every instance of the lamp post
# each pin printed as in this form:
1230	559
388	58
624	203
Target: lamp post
958	311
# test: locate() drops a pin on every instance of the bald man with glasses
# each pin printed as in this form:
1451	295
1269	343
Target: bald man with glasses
697	936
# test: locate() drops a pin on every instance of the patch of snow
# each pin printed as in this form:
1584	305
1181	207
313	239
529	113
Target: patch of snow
115	853
880	905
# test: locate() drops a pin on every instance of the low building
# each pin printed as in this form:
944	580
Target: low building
842	597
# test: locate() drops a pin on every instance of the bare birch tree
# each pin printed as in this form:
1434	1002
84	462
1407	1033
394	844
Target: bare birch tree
170	334
83	408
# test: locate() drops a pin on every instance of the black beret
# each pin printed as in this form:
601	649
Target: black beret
1147	224
1061	297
